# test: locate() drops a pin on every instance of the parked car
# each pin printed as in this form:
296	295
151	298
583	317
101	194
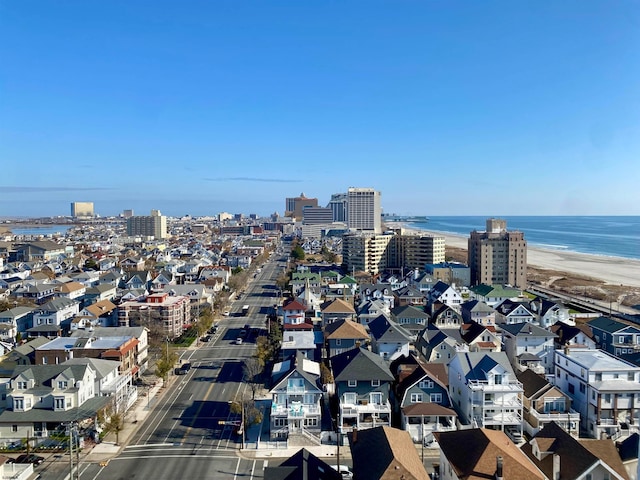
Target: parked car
206	338
238	341
30	458
344	471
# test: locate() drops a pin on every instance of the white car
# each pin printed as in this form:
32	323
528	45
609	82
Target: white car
344	470
238	341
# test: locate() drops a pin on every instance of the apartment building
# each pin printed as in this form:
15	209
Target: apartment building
603	388
169	314
154	225
498	256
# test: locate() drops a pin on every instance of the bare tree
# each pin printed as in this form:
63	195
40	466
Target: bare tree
252	371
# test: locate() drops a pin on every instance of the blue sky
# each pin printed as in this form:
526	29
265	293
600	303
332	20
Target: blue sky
446	107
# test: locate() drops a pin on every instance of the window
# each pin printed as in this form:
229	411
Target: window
350	398
436	398
571	388
352	383
279	422
375	383
59	403
338	341
21	385
14	428
18	404
426	384
375	398
416	397
62	384
310	422
497	379
583	388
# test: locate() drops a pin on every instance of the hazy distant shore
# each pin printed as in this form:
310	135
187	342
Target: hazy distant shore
614	270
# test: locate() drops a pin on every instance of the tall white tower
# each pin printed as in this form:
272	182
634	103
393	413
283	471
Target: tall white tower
364	210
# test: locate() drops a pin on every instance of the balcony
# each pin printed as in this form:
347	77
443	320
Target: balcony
364	408
557	416
292	389
294	412
504	418
477	385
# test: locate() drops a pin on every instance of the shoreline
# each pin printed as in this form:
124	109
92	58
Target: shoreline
612	270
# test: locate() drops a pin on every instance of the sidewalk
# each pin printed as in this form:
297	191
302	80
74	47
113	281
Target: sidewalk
136	414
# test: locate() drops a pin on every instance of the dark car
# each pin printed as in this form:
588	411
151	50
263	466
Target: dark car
206	338
30	458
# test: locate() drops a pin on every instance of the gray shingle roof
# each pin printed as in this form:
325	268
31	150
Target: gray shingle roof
359	364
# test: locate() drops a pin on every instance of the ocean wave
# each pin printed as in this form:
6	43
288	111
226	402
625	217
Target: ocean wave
550	245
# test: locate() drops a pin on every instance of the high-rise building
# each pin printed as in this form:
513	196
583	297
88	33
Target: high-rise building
364	210
498	256
316	216
338	205
82	209
127	213
154	225
374	253
295	205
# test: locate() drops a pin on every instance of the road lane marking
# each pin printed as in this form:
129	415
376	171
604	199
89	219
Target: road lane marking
190	427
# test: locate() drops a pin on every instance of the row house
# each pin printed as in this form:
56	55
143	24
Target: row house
422	398
38	293
493	295
529	346
439	346
56	312
296	394
343	335
510	312
485	391
413	319
388	339
335	310
479	312
615	337
363	383
443	293
603	388
544	403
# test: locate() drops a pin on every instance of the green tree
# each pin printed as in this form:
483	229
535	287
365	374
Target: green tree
165	364
91	264
297	253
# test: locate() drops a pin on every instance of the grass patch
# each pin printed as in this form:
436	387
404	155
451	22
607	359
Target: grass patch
187	339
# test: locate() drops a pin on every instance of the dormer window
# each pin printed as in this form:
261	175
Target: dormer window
62	384
21	385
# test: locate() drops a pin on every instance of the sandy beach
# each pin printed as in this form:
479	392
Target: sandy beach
614	270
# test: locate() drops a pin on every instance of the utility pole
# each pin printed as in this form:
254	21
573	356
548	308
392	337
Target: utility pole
70	452
422	436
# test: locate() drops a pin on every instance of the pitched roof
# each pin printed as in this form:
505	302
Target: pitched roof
302	465
345	328
608	324
427	408
338	306
527	329
385	330
606	451
532	383
385	453
477	460
359	364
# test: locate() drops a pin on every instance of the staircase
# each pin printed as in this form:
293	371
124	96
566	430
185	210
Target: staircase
303	438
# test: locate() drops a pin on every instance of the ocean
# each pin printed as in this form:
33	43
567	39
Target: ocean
614	236
40	230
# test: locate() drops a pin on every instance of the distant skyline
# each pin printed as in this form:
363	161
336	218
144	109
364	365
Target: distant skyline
197	107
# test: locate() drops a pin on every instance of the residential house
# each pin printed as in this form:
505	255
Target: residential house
388	339
298	341
578	336
132	264
100	292
222	272
615	337
543	403
385	453
413	319
480	338
485	391
378	291
301	279
198	294
559	455
408	296
439	346
302	465
136	279
603	388
450	272
293	312
493	295
24	354
39	293
43	397
56	312
367	310
71	290
529	346
20	317
444	316
479	312
443	293
295	397
162	280
423	282
343	335
42	251
99	314
335	310
628	450
485	453
551	312
363	383
510	312
422	397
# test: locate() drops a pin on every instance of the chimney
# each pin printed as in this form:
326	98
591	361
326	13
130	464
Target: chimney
499	468
566	349
556	467
355	435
